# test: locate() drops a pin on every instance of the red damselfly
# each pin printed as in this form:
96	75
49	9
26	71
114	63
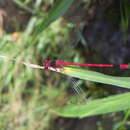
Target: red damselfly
59	63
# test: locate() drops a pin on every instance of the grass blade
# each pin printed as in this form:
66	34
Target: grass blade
59	9
96	77
96	107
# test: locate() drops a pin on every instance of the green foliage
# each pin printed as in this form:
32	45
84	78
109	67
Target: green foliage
28	96
96	107
125	14
99	106
96	77
24	100
60	7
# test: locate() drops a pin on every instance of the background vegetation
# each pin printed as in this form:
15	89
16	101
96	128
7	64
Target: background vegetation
39	99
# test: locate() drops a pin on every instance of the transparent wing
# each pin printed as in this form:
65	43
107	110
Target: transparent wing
79	92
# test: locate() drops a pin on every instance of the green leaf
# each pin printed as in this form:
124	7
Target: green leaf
95	107
59	9
125	11
96	76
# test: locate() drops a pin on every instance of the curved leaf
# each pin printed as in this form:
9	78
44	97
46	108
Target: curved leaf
59	9
96	107
96	76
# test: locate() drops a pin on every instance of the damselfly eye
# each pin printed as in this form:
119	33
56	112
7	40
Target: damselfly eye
53	63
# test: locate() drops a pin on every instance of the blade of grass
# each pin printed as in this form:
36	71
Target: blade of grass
24	6
96	76
59	9
125	11
95	107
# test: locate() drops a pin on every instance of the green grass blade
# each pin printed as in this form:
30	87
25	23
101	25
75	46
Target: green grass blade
59	9
125	11
97	77
96	107
24	6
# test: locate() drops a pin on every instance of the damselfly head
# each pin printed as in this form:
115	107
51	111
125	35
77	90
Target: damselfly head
46	64
53	64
